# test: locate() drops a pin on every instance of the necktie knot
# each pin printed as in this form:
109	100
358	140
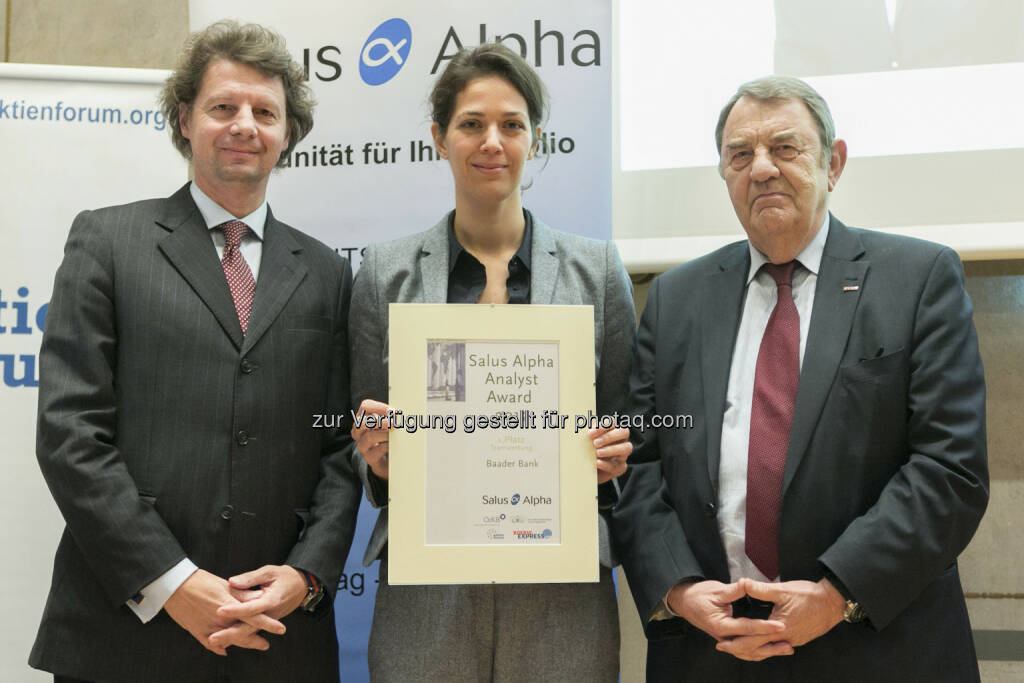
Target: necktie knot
233	231
782	273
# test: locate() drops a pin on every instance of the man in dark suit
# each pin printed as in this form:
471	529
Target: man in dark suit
189	345
836	463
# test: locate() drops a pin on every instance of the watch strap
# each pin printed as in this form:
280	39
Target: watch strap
314	592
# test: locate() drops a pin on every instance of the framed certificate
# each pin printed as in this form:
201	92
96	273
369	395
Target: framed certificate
492	475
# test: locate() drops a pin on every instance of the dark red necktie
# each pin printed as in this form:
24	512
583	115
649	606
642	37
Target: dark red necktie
240	279
771	416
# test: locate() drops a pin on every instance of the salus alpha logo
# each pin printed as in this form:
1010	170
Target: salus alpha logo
515	499
384	53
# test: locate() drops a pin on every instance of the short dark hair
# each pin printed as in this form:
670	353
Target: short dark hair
253	45
784	88
489	59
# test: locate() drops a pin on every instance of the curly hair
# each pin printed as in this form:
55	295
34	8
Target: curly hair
253	45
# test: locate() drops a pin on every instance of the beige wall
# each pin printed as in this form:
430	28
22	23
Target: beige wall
97	32
992	573
134	34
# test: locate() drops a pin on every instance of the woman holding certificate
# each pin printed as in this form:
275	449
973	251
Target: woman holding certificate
487	108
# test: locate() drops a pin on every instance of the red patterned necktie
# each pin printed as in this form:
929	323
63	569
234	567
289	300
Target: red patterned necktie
240	279
771	416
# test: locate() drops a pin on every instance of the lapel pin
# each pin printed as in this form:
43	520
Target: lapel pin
851	288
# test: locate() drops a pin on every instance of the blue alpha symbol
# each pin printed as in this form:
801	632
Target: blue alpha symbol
385	51
515	499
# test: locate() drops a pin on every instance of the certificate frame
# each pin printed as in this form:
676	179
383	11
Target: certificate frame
410	559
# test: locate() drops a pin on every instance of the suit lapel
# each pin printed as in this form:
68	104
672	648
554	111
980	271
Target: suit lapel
722	303
831	320
281	271
434	265
543	265
190	250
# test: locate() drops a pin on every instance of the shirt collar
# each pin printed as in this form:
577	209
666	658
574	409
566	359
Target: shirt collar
214	214
455	249
809	258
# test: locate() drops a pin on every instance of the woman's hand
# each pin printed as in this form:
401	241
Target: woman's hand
613	449
372	442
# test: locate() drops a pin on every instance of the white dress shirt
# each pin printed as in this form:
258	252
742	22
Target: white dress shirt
732	466
150	600
214	214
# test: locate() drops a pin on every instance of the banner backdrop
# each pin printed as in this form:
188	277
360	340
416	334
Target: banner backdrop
368	172
73	138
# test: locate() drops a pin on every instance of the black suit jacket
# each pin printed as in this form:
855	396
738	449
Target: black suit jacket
885	478
164	433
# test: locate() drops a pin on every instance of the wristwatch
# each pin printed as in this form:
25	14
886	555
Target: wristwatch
853	612
314	592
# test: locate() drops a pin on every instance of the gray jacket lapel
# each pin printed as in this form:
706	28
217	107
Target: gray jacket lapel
831	320
544	265
281	271
190	250
434	264
723	306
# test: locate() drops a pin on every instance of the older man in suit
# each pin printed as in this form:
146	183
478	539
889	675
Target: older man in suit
189	344
807	526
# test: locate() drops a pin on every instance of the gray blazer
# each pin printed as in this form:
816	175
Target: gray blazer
565	269
164	433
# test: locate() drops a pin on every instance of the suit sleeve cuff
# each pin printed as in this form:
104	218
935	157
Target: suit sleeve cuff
608	495
663	611
839	585
377	489
148	602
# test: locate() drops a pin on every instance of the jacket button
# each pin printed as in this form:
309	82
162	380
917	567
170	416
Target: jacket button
227	512
710	510
246	367
242	437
